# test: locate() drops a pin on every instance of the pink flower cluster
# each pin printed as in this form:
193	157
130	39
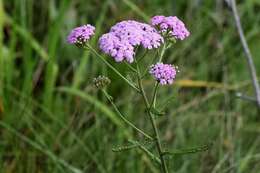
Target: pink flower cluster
163	73
80	35
122	39
172	24
124	36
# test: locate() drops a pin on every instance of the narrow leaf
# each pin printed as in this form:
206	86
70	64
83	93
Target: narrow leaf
125	147
189	150
134	144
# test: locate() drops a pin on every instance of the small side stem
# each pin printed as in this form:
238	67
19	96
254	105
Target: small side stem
112	68
142	57
154	94
155	129
123	118
130	67
147	68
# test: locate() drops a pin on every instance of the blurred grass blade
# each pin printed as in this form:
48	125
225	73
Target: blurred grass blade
90	99
1	47
53	40
80	72
52	74
27	36
61	124
40	148
204	84
138	11
245	162
1	108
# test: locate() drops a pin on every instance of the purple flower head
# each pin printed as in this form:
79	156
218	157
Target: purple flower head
163	73
80	35
156	20
124	36
119	49
172	24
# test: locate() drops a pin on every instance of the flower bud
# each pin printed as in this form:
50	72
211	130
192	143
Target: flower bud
101	81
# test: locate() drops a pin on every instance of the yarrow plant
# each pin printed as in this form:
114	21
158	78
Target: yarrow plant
122	43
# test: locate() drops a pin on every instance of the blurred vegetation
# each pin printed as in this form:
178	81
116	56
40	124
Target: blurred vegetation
53	120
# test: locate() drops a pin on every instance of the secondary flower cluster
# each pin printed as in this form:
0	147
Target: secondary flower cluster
81	35
172	24
124	36
121	40
163	73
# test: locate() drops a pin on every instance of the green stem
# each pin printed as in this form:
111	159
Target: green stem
163	51
155	129
147	68
142	57
112	68
123	118
130	67
154	94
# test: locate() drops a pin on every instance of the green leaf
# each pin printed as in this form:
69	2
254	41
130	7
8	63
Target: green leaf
189	150
125	147
134	144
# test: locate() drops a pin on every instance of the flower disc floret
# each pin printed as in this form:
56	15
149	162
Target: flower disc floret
174	26
125	36
80	35
163	73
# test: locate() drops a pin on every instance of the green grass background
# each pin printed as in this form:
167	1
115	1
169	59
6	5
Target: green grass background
44	128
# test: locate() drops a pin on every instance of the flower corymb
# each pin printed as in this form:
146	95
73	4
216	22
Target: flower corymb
163	73
124	36
172	24
80	35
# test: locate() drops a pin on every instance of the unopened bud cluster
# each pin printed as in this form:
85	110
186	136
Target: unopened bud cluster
101	82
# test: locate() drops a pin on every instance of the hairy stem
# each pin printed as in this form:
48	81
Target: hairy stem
248	54
123	118
155	129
